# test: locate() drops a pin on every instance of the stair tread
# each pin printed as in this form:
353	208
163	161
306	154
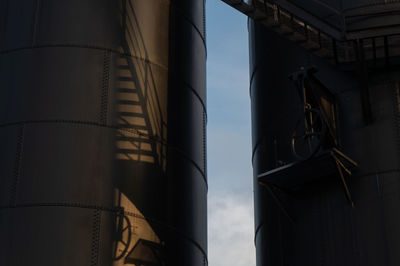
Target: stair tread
129	102
133	126
137	151
131	114
135	139
128	90
121	78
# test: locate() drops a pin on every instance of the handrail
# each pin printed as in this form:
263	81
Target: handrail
337	24
377	47
381	3
335	30
338	12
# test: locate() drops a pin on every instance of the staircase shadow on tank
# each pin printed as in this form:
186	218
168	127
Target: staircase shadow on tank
140	149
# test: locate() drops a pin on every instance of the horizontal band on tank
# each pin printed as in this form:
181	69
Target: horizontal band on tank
79	46
67	205
114	210
256	69
194	26
253	73
194	243
195	94
122	127
183	154
256	146
388	171
113	51
257	231
370	174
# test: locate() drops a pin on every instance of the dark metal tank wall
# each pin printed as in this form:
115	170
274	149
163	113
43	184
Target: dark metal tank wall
325	229
102	133
187	133
56	136
140	74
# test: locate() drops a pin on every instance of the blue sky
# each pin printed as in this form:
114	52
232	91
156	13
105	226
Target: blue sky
230	197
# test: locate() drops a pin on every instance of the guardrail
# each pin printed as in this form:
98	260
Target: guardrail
320	36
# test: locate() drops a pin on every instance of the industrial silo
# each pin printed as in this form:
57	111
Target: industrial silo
325	116
102	125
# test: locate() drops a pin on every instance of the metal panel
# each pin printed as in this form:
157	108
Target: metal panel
192	188
190	59
62	23
36	234
102	129
52	171
42	83
67	22
194	13
19	26
188	112
187	181
315	225
10	143
147	37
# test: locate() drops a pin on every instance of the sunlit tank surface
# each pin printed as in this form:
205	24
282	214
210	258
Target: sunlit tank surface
315	224
102	133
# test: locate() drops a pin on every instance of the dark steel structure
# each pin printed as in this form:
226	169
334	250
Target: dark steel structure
102	132
325	99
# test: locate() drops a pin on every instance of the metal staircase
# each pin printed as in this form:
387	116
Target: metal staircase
339	37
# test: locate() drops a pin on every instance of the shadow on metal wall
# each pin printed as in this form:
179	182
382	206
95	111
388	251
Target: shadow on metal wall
140	149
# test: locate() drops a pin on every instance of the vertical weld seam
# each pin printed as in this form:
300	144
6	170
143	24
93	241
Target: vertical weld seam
35	21
204	145
105	88
204	20
17	166
396	111
94	256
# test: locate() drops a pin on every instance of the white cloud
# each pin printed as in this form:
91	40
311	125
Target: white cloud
230	215
231	231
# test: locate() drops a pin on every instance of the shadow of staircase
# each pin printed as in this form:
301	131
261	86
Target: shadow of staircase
136	137
141	119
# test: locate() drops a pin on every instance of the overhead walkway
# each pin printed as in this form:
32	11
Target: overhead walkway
344	32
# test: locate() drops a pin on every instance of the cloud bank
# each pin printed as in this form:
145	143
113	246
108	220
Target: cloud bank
230	231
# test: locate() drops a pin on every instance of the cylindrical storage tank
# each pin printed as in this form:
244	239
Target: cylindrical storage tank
316	224
102	132
187	118
274	110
